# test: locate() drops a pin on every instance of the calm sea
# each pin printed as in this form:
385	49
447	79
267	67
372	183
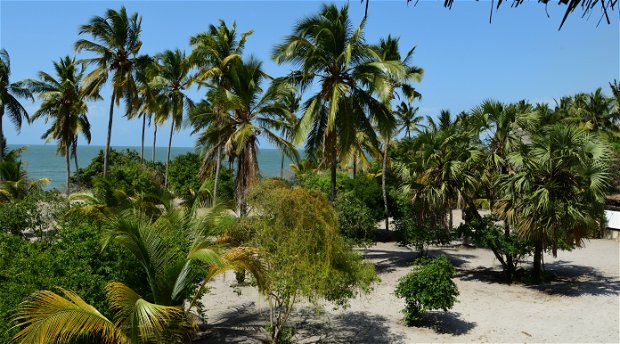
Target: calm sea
42	161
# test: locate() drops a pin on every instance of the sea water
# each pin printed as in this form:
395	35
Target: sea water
43	161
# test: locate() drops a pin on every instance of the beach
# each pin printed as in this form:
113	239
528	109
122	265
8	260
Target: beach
581	304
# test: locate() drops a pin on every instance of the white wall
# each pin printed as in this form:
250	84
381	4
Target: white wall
613	219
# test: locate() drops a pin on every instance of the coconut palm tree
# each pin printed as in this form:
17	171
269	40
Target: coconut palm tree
363	149
171	82
116	44
558	189
327	49
387	86
9	92
145	71
213	53
251	112
407	118
63	101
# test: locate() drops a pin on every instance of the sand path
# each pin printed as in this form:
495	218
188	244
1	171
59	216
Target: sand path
583	305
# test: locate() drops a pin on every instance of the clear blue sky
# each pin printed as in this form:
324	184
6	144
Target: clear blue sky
521	55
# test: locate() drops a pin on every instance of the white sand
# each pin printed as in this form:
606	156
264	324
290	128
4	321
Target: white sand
583	305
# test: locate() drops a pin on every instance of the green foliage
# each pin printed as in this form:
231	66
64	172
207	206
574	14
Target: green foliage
429	286
18	216
71	259
410	232
125	170
355	219
183	174
305	255
485	233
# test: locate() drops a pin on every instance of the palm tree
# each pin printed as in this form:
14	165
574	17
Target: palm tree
327	49
251	112
14	182
63	101
387	86
558	189
214	53
145	71
116	42
363	149
407	118
172	81
9	92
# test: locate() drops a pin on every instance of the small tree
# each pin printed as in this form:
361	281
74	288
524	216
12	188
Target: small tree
304	253
428	286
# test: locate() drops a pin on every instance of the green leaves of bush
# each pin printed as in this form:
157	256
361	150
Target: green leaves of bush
429	286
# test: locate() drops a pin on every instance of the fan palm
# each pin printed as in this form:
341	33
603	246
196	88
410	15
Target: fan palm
558	189
250	112
63	101
9	92
116	43
171	81
328	50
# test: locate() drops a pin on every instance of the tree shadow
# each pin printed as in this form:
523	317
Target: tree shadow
568	279
446	323
245	324
387	261
348	327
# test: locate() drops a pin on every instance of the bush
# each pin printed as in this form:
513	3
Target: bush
183	174
410	232
125	170
429	286
355	219
72	260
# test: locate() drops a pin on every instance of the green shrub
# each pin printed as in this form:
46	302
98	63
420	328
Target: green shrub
429	286
355	219
410	232
18	216
183	174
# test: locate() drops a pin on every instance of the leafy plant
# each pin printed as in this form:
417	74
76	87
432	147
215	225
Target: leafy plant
429	286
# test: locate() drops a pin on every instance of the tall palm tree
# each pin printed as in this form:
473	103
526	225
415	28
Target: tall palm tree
407	118
387	87
63	101
213	53
9	92
251	112
116	43
172	81
145	71
327	49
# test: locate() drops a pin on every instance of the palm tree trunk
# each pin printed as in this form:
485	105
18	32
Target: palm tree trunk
218	164
282	166
334	165
142	145
2	148
354	166
383	182
168	157
537	269
68	161
154	141
109	139
75	160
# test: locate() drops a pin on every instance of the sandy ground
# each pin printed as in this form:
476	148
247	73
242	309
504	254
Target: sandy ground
581	305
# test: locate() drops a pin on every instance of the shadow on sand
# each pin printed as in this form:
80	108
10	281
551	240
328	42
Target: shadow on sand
446	323
246	325
388	261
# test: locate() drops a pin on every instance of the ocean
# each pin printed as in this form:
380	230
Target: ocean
42	161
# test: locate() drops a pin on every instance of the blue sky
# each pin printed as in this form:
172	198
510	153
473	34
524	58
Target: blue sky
521	55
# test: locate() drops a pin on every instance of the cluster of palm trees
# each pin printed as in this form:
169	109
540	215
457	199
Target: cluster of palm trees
544	171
